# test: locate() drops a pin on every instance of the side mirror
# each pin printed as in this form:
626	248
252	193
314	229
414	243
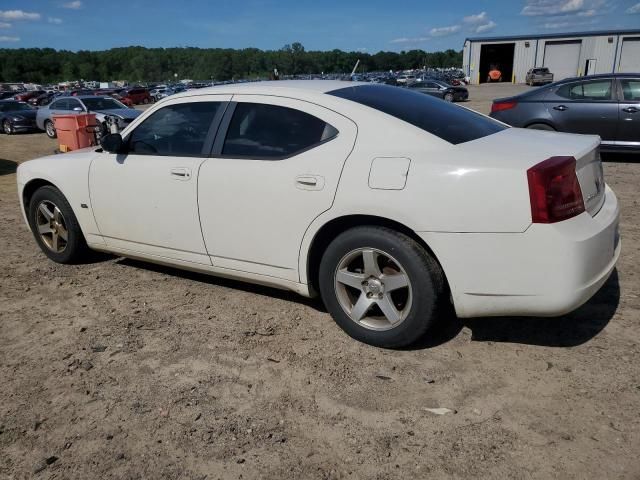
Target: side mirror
112	143
78	109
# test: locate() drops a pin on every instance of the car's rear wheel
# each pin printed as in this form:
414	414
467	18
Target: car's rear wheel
7	127
541	126
448	97
380	286
50	129
55	226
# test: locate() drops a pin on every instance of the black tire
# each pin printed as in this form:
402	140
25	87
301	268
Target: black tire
426	284
145	100
50	129
76	249
541	126
448	97
7	128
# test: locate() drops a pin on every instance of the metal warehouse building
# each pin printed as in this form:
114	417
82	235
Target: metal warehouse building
566	55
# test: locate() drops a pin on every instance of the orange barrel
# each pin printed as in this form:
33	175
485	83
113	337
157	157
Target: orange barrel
72	131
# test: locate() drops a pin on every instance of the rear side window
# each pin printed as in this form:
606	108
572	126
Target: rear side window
273	132
596	90
631	89
176	130
449	122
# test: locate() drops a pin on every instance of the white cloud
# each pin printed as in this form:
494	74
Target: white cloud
633	9
9	39
485	27
55	20
444	31
5	25
588	13
75	5
18	15
409	40
552	7
476	18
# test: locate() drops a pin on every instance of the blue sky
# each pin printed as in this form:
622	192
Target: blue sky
369	25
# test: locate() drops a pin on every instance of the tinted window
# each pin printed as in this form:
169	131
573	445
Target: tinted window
596	90
60	105
74	104
449	122
102	103
175	130
631	89
270	131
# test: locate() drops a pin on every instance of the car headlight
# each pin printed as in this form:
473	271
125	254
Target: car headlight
17	118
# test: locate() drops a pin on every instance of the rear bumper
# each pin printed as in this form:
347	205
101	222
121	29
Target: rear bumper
548	270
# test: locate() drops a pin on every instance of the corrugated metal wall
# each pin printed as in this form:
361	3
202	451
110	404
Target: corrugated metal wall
604	49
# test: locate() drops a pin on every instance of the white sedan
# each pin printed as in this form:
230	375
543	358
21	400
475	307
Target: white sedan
385	201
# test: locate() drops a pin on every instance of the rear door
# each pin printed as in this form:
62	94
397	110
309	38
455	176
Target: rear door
586	106
629	125
275	168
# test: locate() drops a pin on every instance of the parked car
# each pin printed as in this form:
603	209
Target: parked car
100	105
7	94
406	79
538	76
440	89
26	96
383	200
160	93
43	99
607	105
16	117
124	100
137	95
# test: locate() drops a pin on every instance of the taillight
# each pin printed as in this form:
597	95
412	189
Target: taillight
554	190
499	106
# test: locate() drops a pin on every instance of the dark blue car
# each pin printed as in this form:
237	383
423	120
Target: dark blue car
16	117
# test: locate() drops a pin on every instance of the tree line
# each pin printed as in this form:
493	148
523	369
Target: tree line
139	64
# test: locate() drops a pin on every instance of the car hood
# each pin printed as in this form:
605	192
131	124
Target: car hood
21	113
120	112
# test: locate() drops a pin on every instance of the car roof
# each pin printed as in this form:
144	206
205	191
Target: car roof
274	87
600	75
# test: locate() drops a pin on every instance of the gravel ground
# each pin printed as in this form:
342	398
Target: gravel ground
121	369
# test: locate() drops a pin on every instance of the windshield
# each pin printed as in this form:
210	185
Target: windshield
16	107
449	122
102	103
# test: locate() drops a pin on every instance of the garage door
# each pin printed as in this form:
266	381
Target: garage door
630	55
562	58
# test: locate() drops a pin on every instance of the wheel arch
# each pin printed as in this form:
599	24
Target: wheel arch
30	188
336	226
543	122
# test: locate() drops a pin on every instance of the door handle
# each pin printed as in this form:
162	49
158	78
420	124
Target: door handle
561	108
310	182
180	173
630	109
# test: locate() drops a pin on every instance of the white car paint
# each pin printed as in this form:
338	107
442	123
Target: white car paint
256	220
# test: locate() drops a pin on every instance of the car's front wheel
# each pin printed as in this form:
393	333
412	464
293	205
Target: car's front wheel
50	129
380	286
448	97
55	226
7	127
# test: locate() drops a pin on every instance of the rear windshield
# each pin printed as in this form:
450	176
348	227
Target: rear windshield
442	119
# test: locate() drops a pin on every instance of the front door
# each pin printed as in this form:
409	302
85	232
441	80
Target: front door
145	199
275	169
587	107
629	125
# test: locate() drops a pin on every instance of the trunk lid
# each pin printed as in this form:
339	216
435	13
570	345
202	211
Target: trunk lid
523	148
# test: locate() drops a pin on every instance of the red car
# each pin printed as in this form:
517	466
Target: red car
126	100
137	95
26	96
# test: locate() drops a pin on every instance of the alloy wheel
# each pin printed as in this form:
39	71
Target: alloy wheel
51	131
373	289
7	127
51	226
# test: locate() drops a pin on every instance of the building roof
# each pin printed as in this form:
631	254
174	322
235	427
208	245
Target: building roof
594	33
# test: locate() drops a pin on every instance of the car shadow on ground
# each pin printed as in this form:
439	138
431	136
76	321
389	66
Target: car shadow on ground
570	330
7	167
620	157
263	290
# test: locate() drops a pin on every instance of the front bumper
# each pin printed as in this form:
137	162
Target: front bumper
24	125
548	270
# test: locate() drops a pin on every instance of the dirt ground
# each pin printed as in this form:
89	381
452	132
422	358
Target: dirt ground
124	370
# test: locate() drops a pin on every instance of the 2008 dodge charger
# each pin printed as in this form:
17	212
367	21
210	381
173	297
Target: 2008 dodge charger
382	200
